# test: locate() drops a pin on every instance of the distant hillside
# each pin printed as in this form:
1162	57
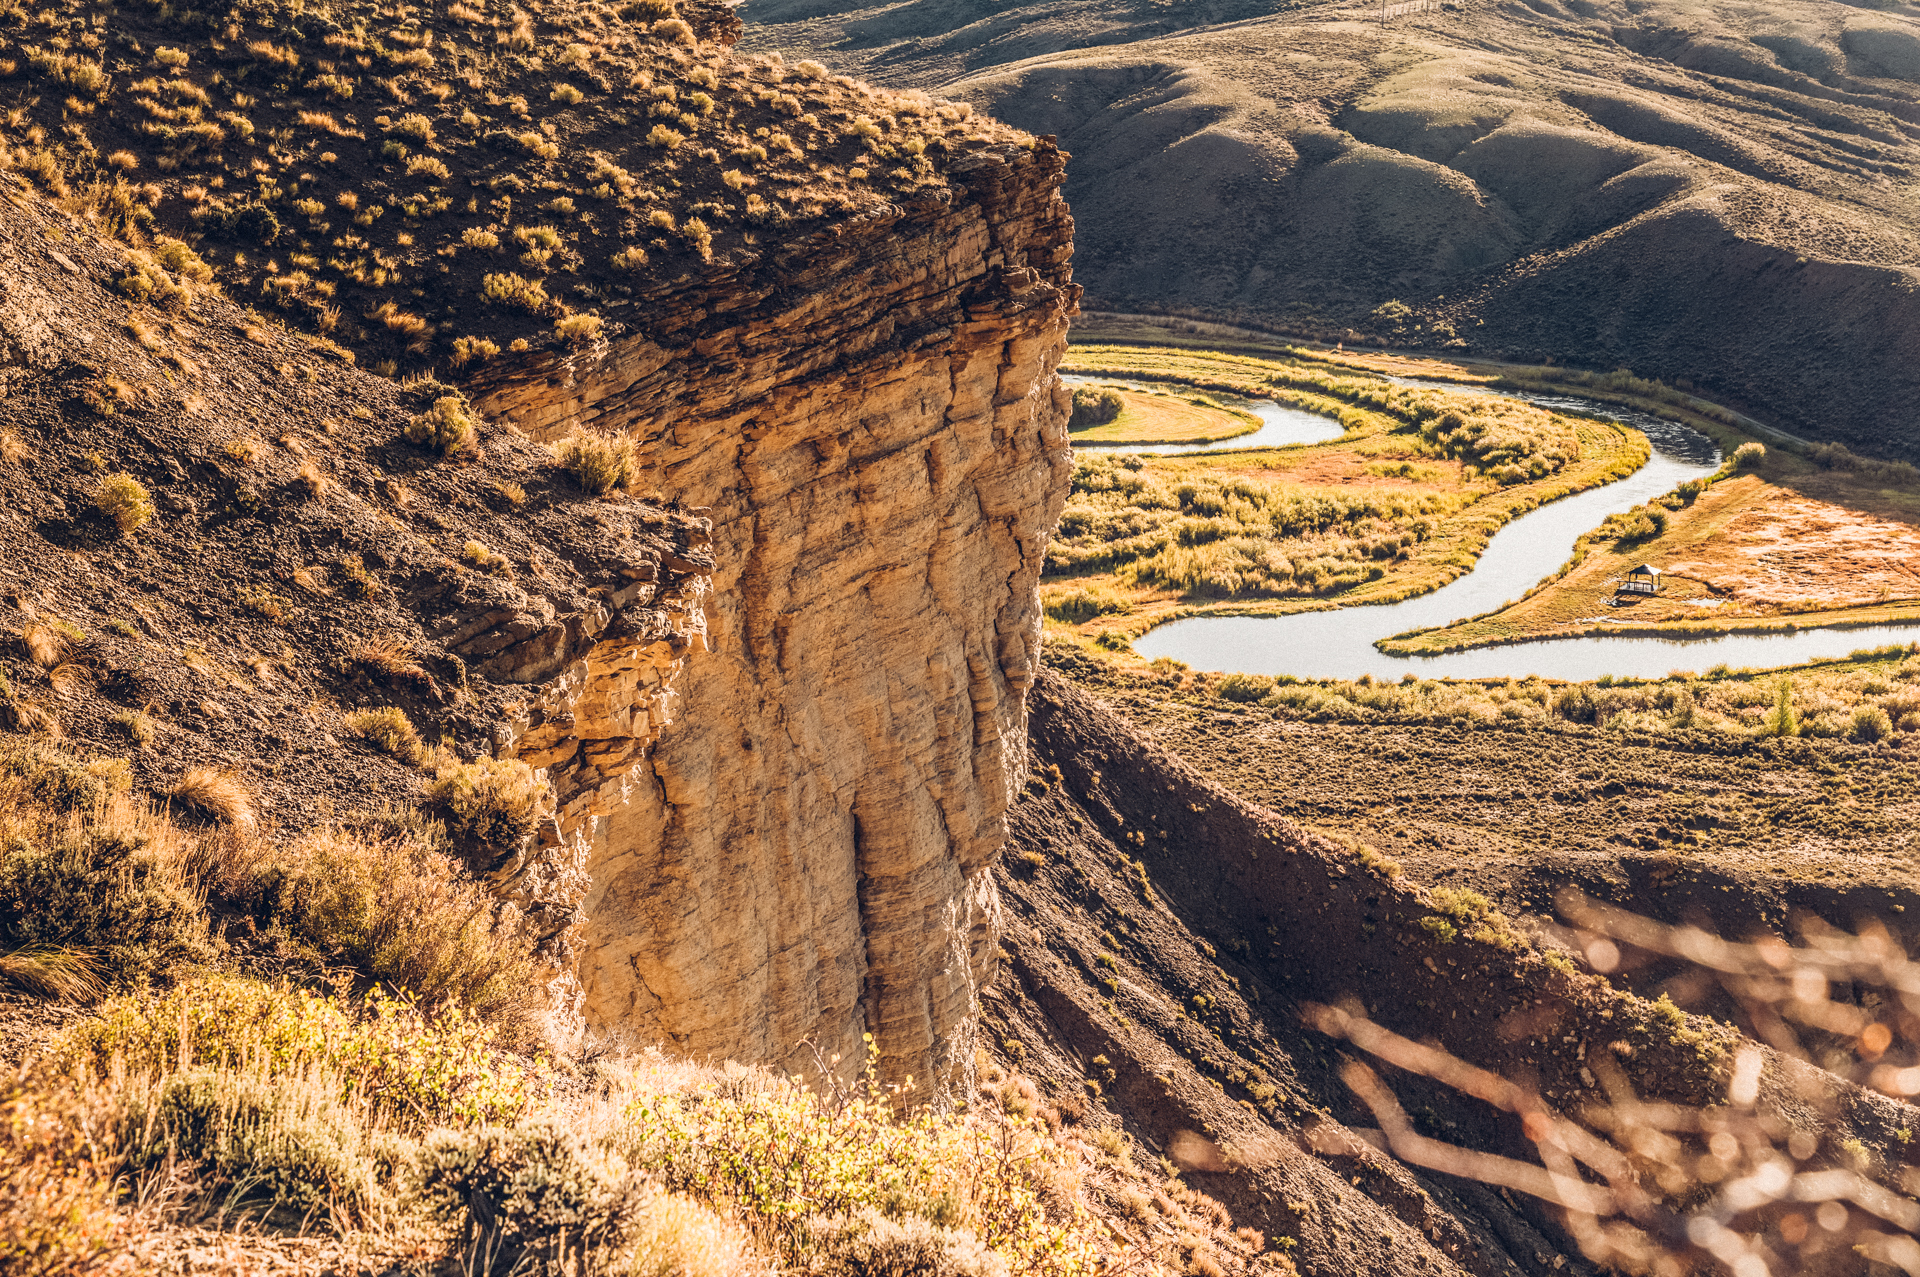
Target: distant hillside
1711	193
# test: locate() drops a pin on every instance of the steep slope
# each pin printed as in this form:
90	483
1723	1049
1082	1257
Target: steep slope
1713	193
222	545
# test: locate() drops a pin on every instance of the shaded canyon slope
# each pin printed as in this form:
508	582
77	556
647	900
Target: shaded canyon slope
1715	193
1164	941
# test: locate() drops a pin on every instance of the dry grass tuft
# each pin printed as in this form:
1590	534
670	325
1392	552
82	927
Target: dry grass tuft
29	717
390	658
45	645
217	794
54	971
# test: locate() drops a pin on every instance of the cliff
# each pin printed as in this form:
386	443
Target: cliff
872	419
821	320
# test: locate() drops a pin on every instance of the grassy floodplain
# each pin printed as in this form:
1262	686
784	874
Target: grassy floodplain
1802	536
1795	540
1152	418
1401	503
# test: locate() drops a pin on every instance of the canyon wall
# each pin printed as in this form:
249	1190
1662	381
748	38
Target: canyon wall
872	419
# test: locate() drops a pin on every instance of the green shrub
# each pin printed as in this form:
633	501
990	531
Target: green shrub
1094	406
1244	687
1871	723
417	1070
446	427
1783	721
122	499
54	778
509	289
1747	456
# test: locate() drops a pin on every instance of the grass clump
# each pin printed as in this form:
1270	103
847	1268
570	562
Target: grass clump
599	463
125	501
216	794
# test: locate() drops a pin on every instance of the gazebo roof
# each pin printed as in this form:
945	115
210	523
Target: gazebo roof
1643	569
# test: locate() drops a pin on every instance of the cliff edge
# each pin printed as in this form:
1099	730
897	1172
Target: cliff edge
823	316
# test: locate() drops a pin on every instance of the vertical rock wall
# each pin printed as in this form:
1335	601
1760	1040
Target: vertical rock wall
873	421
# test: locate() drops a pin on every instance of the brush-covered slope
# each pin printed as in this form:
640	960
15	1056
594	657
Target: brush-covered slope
1713	193
290	592
438	187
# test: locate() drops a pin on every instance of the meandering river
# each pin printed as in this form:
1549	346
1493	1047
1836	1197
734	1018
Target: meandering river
1339	643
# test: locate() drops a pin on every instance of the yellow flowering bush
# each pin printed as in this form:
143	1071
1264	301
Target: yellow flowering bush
423	1070
788	1161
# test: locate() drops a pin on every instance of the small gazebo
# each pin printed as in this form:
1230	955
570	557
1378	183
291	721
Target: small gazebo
1643	578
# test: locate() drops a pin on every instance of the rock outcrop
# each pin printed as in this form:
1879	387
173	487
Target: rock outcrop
872	418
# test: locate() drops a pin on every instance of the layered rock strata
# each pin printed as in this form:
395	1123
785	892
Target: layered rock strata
873	417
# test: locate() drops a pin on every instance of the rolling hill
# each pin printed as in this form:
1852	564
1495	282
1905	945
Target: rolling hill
1712	193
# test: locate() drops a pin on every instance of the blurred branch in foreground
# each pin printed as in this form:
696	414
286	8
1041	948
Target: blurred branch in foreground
1773	1181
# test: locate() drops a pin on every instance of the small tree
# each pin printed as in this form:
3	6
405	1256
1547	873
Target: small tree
1094	407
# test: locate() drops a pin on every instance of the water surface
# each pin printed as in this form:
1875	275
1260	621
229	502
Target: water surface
1282	425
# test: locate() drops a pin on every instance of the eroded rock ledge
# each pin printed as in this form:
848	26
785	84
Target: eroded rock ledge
873	419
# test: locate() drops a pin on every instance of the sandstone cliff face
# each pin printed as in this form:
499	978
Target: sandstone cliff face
873	421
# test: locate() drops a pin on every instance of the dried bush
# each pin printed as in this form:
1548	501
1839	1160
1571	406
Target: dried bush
675	1236
599	463
530	1200
406	915
116	886
491	802
1094	406
446	427
56	1195
251	1135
